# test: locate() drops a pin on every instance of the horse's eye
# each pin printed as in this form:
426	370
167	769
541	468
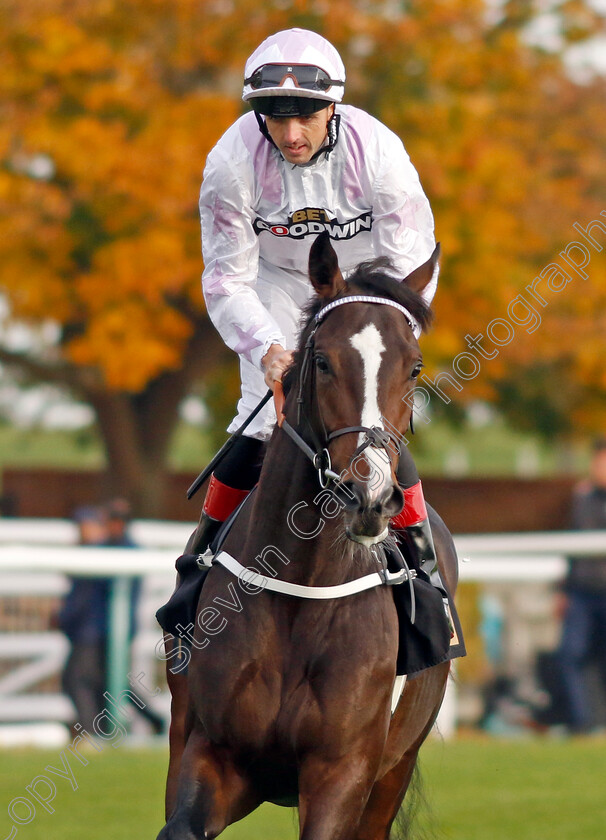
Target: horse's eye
322	364
416	370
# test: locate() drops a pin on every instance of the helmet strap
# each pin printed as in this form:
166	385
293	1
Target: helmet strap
263	129
332	133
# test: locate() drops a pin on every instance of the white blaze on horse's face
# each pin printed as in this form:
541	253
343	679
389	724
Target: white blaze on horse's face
369	344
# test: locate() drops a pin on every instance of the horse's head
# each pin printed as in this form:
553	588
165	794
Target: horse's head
354	374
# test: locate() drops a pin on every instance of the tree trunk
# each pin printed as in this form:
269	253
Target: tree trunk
134	472
137	429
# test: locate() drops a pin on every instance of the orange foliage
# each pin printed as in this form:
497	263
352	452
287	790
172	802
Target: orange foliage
106	242
126	99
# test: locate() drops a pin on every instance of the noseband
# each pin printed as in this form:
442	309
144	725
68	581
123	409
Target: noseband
375	436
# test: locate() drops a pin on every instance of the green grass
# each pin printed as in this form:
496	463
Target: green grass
477	790
22	448
437	448
43	448
191	448
517	790
492	450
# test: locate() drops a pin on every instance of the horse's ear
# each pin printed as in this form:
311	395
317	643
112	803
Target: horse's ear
324	271
418	279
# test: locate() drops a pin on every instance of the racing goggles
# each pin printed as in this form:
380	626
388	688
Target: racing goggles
305	76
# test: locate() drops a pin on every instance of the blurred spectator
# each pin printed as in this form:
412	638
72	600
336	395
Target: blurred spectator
118	520
118	514
584	600
83	619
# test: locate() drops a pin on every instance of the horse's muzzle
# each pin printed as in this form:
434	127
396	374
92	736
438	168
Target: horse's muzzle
366	518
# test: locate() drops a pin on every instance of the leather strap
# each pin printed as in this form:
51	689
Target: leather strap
317	593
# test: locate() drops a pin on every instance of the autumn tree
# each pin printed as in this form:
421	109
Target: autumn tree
107	117
509	146
107	112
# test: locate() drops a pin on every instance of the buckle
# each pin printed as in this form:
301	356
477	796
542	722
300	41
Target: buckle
395	578
323	465
205	560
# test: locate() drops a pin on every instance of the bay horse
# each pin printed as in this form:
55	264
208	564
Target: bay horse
288	699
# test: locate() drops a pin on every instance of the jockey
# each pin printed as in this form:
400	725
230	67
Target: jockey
299	163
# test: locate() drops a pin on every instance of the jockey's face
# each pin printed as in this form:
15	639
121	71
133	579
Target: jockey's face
299	138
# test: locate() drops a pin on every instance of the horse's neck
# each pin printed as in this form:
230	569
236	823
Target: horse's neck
287	528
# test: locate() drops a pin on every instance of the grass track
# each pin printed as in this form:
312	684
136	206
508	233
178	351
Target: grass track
477	789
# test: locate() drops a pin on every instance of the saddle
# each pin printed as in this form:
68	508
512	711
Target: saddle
429	630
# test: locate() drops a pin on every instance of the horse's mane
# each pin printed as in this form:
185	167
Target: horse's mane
372	277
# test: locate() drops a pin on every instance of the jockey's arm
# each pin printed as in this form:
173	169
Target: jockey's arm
231	256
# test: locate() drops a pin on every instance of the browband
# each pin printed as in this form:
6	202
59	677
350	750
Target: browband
412	322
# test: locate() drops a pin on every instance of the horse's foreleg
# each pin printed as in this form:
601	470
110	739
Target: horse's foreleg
211	793
410	727
332	796
177	683
176	737
385	801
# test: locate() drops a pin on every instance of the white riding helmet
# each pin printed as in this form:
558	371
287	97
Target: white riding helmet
294	63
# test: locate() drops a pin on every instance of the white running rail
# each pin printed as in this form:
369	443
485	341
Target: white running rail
37	555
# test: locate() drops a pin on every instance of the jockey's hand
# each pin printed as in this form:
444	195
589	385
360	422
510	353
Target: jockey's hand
275	362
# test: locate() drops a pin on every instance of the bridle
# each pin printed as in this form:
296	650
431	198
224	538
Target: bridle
320	459
374	435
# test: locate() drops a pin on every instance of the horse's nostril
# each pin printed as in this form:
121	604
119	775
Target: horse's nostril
395	505
351	495
357	500
391	502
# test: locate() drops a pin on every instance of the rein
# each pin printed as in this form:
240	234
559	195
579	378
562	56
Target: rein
375	436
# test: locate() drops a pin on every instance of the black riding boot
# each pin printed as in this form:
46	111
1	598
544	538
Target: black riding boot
229	485
412	524
203	535
419	539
